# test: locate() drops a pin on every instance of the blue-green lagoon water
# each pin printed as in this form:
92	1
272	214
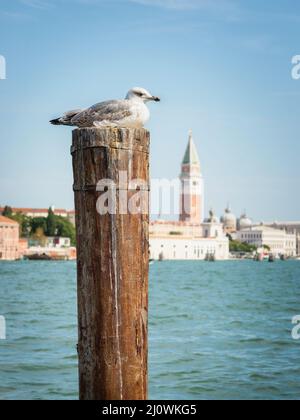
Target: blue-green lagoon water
217	330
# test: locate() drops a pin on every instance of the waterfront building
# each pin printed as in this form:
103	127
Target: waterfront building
51	242
9	239
23	247
50	252
212	227
188	248
56	248
279	241
289	227
190	238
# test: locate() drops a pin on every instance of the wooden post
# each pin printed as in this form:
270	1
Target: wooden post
113	264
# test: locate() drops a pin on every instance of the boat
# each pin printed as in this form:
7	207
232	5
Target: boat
38	257
210	257
271	258
161	257
46	257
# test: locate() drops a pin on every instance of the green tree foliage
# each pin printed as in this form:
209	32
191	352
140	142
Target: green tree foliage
7	212
236	246
51	223
65	229
40	227
38	223
24	223
229	237
61	226
39	236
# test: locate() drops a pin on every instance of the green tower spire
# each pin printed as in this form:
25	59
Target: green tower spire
191	156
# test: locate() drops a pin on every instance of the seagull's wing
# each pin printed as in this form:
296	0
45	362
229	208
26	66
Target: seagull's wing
66	119
72	113
110	112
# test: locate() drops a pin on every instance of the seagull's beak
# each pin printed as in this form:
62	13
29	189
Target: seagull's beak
155	99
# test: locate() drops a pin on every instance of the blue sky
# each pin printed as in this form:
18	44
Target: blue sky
222	68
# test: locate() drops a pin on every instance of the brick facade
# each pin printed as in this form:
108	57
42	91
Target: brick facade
9	239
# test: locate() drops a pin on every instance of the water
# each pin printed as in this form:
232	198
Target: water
217	330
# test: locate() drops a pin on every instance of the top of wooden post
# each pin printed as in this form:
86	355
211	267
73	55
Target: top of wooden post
116	138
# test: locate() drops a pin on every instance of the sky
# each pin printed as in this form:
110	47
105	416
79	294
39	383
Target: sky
223	68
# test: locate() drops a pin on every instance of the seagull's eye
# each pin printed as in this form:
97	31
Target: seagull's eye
139	93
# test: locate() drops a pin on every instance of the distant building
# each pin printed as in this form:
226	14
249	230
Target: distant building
51	242
189	238
56	248
212	227
9	239
229	221
178	241
30	212
71	216
280	242
289	227
23	247
58	242
188	248
192	186
54	253
244	222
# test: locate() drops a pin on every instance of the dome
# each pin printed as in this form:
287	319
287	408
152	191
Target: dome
229	219
212	218
245	222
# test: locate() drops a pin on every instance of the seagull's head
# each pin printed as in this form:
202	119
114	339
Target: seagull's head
141	94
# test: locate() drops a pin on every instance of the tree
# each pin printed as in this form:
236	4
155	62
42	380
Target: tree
38	223
53	226
24	223
40	237
236	246
229	237
7	212
65	229
51	223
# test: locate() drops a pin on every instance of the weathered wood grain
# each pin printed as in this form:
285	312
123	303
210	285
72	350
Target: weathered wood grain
113	255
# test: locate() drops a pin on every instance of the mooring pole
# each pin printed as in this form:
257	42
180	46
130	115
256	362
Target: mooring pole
113	261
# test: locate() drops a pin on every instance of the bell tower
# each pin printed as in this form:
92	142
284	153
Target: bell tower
192	186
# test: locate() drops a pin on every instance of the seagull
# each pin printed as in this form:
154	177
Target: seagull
130	112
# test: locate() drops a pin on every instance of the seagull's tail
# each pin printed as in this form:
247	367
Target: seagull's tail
66	119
